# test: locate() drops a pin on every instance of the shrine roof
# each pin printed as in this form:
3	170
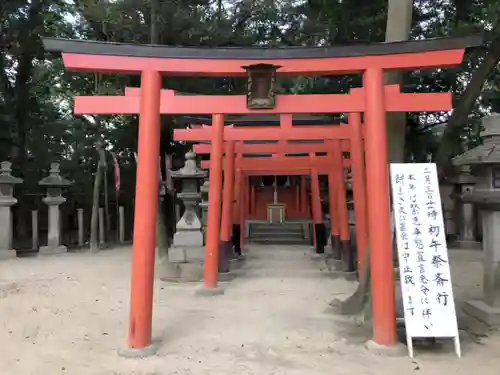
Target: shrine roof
77	46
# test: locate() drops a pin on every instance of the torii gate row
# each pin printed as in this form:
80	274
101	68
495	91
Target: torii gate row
151	62
290	164
354	101
396	102
314	166
271	148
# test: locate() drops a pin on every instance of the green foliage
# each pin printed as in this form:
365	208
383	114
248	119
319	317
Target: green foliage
36	123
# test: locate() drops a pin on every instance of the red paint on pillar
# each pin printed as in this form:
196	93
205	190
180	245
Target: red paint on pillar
227	194
358	185
303	196
297	198
214	203
332	200
315	198
243	208
343	215
237	196
146	193
377	178
251	208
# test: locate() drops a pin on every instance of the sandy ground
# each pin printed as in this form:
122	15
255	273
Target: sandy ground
68	315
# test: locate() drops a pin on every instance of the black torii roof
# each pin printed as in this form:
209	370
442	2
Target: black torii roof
259	53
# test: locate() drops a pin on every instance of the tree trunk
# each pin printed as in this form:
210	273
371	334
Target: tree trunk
450	144
161	236
94	221
153	27
106	194
399	15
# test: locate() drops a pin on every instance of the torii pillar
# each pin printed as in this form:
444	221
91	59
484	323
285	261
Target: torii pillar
225	248
146	198
379	222
316	212
214	208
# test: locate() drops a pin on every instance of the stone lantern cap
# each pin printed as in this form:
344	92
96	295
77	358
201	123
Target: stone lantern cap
489	151
5	177
54	179
204	187
190	169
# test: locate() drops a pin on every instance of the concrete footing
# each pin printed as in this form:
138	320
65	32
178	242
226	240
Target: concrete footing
397	350
148	351
52	250
180	272
210	292
333	264
224	256
7	254
347	256
335	243
483	312
226	276
468	245
350	276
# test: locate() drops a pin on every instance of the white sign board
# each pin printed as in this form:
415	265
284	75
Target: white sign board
424	267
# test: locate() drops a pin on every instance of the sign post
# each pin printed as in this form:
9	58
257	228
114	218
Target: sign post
429	306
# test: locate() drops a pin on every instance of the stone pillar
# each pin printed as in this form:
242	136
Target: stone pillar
81	229
121	224
101	227
177	212
486	195
465	183
54	184
7	183
204	206
446	189
34	230
187	254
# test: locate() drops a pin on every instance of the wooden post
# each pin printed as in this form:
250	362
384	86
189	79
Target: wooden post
358	185
81	229
146	201
34	230
303	196
238	178
214	203
121	224
251	208
227	206
334	216
101	226
243	208
297	197
316	212
343	215
379	230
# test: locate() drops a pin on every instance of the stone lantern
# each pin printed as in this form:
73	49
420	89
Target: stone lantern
464	183
187	249
486	195
54	183
204	207
7	183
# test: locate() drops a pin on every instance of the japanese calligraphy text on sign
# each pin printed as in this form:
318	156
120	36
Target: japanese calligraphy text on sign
423	256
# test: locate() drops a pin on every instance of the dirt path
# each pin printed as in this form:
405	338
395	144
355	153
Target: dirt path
68	315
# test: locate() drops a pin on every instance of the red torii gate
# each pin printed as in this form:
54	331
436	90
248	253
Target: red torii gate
153	61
